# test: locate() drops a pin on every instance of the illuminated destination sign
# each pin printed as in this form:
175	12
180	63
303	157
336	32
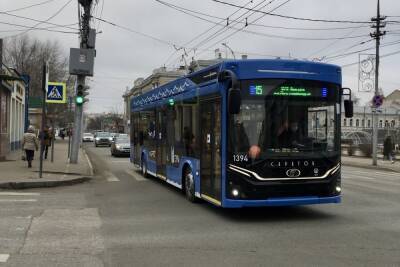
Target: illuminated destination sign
292	91
285	90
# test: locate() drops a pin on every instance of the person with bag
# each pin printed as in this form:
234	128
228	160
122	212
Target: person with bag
30	143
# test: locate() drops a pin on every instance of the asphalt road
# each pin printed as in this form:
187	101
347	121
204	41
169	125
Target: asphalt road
122	219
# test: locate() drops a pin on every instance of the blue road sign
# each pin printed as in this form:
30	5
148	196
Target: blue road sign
377	101
56	93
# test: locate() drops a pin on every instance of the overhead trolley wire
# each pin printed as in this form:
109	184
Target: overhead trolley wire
189	11
296	18
199	35
240	29
228	27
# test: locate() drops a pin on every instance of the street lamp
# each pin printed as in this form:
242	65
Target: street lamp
230	49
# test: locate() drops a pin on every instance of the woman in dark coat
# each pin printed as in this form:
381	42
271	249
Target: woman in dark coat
388	149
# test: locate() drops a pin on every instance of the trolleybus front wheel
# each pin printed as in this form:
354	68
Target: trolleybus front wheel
189	185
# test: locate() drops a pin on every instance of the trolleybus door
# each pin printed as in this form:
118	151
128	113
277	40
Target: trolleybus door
210	159
161	144
136	138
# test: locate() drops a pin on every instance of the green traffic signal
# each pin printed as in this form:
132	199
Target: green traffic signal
79	100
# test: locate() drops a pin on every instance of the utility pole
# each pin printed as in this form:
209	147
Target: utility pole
378	24
85	28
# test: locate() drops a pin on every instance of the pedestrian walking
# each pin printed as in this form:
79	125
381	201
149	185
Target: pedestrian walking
30	143
47	138
388	147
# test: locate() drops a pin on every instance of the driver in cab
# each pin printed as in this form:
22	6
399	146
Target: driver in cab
289	135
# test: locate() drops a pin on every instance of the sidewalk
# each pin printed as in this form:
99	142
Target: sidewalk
15	174
364	162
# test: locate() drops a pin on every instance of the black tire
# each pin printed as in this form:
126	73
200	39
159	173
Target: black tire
189	186
143	167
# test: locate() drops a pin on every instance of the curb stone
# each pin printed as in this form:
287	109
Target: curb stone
43	184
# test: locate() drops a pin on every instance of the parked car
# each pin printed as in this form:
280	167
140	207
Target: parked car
121	146
102	138
87	137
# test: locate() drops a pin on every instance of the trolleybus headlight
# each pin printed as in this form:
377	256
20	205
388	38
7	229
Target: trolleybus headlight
235	192
338	189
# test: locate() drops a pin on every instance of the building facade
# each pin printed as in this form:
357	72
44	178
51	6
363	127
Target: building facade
12	111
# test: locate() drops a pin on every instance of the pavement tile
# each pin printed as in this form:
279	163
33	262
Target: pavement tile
14	172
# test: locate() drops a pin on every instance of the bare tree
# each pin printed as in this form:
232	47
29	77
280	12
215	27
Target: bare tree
27	56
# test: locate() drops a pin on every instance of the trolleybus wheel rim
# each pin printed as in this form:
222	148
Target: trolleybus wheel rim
189	186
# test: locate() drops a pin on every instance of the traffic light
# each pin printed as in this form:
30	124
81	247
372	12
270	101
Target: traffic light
79	95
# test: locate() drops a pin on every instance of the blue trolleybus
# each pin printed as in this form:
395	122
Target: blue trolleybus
245	133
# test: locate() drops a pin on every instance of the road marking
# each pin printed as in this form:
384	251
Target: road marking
18	200
111	177
4	257
135	175
18	194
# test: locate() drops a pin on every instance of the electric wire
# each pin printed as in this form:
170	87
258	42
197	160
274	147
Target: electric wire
359	51
26	7
297	18
228	27
238	30
198	35
39	23
189	11
35	28
135	32
382	56
331	44
36	20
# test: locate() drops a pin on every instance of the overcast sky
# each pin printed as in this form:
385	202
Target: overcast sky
123	56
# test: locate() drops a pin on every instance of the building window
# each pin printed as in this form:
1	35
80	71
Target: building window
380	123
363	123
369	123
351	123
344	122
386	123
357	123
393	123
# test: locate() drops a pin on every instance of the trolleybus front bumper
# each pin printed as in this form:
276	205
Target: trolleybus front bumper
282	201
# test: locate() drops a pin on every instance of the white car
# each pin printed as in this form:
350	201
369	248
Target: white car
88	137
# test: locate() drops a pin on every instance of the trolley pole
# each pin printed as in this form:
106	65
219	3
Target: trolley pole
379	23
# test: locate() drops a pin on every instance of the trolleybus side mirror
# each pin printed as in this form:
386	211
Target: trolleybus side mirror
348	103
234	95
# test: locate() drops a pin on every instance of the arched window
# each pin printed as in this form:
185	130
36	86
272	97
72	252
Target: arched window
380	123
357	123
369	123
363	123
351	123
393	123
344	122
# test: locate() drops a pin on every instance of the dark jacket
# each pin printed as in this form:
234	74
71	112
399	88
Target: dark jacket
388	146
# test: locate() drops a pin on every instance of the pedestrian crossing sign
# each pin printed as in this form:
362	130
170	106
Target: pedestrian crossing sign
56	93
